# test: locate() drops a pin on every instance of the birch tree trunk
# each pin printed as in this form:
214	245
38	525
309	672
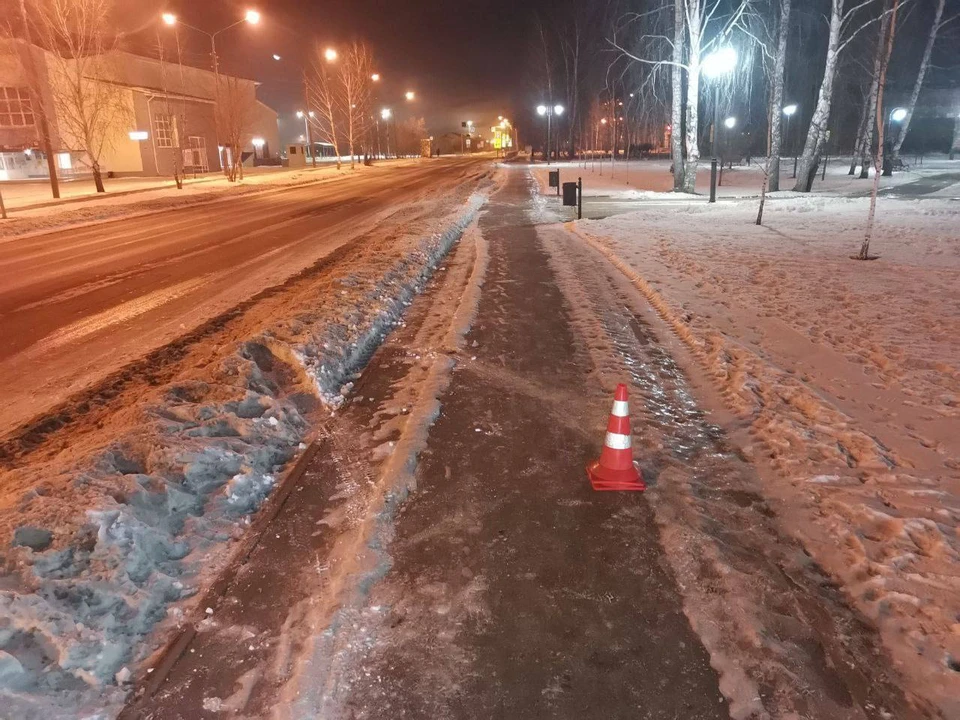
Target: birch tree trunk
694	32
924	64
884	50
861	133
676	106
776	101
816	134
866	150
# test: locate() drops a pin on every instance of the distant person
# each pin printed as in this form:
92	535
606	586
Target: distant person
438	151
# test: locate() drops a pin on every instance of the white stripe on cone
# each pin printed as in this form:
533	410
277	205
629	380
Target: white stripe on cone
620	408
616	441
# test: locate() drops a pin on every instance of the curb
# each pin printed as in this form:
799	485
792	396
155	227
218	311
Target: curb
148	683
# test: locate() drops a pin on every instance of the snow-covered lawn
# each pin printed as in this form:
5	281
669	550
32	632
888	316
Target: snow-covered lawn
647	179
845	377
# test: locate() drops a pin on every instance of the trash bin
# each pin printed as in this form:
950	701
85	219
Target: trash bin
570	194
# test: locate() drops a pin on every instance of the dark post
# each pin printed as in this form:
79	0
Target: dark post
558	180
579	198
716	138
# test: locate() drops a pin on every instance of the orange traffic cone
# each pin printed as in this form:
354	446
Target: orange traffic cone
615	469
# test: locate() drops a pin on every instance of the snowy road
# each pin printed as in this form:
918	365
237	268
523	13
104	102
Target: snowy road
78	304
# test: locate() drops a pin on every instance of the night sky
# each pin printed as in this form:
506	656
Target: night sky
465	59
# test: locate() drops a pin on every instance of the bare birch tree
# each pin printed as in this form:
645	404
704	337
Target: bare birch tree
676	96
847	19
772	181
236	116
884	50
91	108
356	69
324	98
699	18
921	73
866	143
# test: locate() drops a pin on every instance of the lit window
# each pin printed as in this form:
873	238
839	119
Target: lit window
165	130
16	108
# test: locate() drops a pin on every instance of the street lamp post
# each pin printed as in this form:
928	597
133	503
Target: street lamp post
715	65
385	114
251	17
789	112
306	117
550	111
897	115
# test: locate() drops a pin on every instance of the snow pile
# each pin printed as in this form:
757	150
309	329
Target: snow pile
845	377
332	357
111	539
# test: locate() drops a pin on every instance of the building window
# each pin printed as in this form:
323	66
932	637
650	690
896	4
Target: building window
16	108
165	130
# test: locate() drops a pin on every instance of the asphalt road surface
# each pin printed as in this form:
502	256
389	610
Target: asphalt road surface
80	303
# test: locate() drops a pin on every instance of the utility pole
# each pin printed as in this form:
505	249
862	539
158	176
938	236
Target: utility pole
40	108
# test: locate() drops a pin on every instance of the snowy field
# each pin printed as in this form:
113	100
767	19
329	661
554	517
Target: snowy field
651	179
843	375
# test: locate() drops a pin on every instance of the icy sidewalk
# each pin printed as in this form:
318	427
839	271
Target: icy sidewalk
112	540
513	590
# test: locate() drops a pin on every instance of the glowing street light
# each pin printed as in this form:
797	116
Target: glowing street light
330	55
730	123
720	62
386	113
375	77
306	117
549	112
790	110
898	114
251	17
276	57
410	95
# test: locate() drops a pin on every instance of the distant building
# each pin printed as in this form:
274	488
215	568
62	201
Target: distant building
170	113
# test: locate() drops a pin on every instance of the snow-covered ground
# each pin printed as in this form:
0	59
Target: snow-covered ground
651	179
115	532
843	375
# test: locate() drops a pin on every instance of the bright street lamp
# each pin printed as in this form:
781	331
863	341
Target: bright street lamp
550	112
898	114
410	95
276	57
330	55
386	113
306	117
375	77
789	110
718	63
730	123
252	17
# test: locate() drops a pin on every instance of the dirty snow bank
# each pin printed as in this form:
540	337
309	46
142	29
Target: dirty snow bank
108	543
845	375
